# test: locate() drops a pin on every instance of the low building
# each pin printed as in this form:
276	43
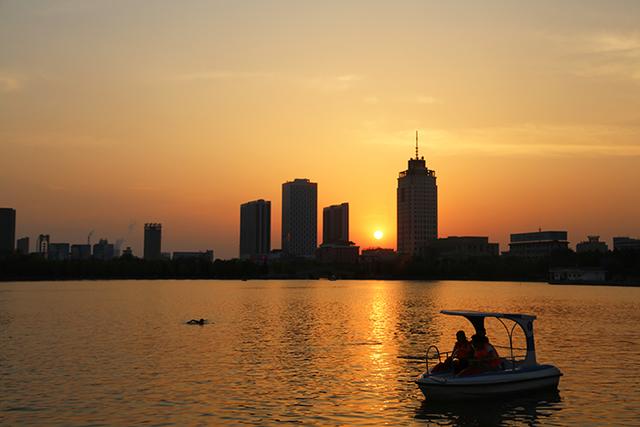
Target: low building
205	255
338	253
58	251
23	246
80	252
577	275
274	256
538	243
626	244
592	244
454	247
103	250
378	255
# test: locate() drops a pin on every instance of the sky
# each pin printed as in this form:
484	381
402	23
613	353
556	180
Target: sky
117	113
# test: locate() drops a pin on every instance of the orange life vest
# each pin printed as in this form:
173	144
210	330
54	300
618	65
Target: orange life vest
488	354
462	350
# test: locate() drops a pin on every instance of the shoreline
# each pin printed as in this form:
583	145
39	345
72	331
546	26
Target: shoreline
622	284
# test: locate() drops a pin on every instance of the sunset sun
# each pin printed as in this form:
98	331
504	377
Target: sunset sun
378	234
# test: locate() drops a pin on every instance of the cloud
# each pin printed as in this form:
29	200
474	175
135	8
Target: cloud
520	140
403	99
604	54
55	187
349	78
426	100
141	188
55	140
619	43
220	75
9	83
334	83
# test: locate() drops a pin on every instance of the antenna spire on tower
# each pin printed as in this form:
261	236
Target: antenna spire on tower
417	145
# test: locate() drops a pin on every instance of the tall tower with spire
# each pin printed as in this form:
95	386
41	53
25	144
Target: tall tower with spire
417	207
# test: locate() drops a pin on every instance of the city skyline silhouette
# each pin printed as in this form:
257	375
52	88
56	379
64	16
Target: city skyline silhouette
377	235
528	126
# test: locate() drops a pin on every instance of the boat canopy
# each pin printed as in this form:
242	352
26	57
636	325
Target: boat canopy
471	313
525	321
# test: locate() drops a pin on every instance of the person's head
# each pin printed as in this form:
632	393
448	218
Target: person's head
461	336
201	320
477	341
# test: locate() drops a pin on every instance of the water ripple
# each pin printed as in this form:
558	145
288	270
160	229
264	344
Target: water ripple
298	352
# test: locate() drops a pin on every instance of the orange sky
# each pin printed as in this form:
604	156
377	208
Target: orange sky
129	112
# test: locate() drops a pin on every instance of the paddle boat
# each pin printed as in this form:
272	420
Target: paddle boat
513	375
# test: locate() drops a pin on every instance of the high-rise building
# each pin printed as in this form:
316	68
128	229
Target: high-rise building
152	241
255	229
43	245
103	250
335	224
23	246
299	217
7	230
417	207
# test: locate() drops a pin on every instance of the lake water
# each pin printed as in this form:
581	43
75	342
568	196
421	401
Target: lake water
303	352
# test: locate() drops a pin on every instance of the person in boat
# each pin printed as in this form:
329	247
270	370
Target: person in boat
481	332
196	322
490	355
485	357
460	355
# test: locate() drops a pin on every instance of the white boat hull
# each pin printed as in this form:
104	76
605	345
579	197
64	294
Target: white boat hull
489	384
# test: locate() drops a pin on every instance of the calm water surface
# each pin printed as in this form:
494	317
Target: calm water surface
304	352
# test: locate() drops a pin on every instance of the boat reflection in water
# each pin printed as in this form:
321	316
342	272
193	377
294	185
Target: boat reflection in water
530	409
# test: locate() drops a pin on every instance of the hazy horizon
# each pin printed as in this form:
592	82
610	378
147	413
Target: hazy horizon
121	113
